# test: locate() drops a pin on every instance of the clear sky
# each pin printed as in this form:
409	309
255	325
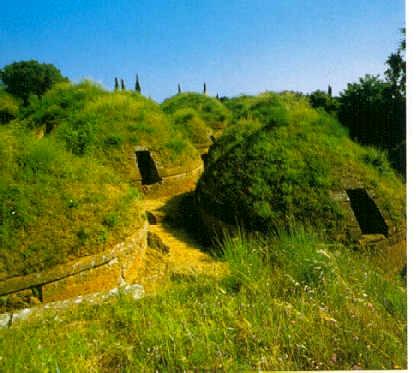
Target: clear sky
236	46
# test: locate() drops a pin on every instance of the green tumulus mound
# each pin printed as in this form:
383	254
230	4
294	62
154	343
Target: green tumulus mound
282	164
215	115
109	126
69	172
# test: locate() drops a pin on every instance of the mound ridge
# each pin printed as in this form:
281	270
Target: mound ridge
295	168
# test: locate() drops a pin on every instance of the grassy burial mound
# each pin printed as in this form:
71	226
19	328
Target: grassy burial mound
267	107
56	206
69	172
111	127
283	163
189	122
212	111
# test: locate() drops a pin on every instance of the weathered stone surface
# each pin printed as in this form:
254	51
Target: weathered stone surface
174	182
22	315
95	279
134	291
110	275
93	273
15	284
5	320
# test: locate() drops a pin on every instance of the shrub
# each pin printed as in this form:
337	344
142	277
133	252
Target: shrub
192	126
9	107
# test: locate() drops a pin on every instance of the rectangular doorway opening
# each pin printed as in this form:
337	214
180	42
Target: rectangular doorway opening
366	212
204	158
147	167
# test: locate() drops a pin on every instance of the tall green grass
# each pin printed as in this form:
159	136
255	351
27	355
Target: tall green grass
289	302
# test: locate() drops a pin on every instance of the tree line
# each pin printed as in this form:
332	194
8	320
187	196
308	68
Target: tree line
374	108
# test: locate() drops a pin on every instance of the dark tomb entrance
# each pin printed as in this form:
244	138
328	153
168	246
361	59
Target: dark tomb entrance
366	212
147	167
204	158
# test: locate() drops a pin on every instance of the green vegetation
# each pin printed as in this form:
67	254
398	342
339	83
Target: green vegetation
374	110
108	126
192	126
281	166
290	302
374	118
212	111
321	99
292	298
266	108
137	86
56	206
9	107
26	78
66	164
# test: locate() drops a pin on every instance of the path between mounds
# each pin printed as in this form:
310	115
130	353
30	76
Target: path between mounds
180	255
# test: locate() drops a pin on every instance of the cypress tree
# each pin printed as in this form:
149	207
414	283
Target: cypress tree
137	86
116	84
179	88
329	91
217	97
123	87
205	88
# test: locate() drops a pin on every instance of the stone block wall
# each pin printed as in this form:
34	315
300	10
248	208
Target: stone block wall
94	273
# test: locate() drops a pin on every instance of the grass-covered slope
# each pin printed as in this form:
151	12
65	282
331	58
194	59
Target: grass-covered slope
288	303
109	125
55	206
66	165
212	111
280	165
189	122
266	108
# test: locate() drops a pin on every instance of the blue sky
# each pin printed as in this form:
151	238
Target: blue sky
235	46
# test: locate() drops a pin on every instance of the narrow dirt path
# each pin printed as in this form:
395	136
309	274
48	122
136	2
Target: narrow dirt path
176	252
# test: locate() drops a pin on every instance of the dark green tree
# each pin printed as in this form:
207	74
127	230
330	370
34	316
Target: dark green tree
329	90
179	88
320	99
116	87
9	107
205	88
137	85
123	87
364	110
25	78
374	110
395	75
396	69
